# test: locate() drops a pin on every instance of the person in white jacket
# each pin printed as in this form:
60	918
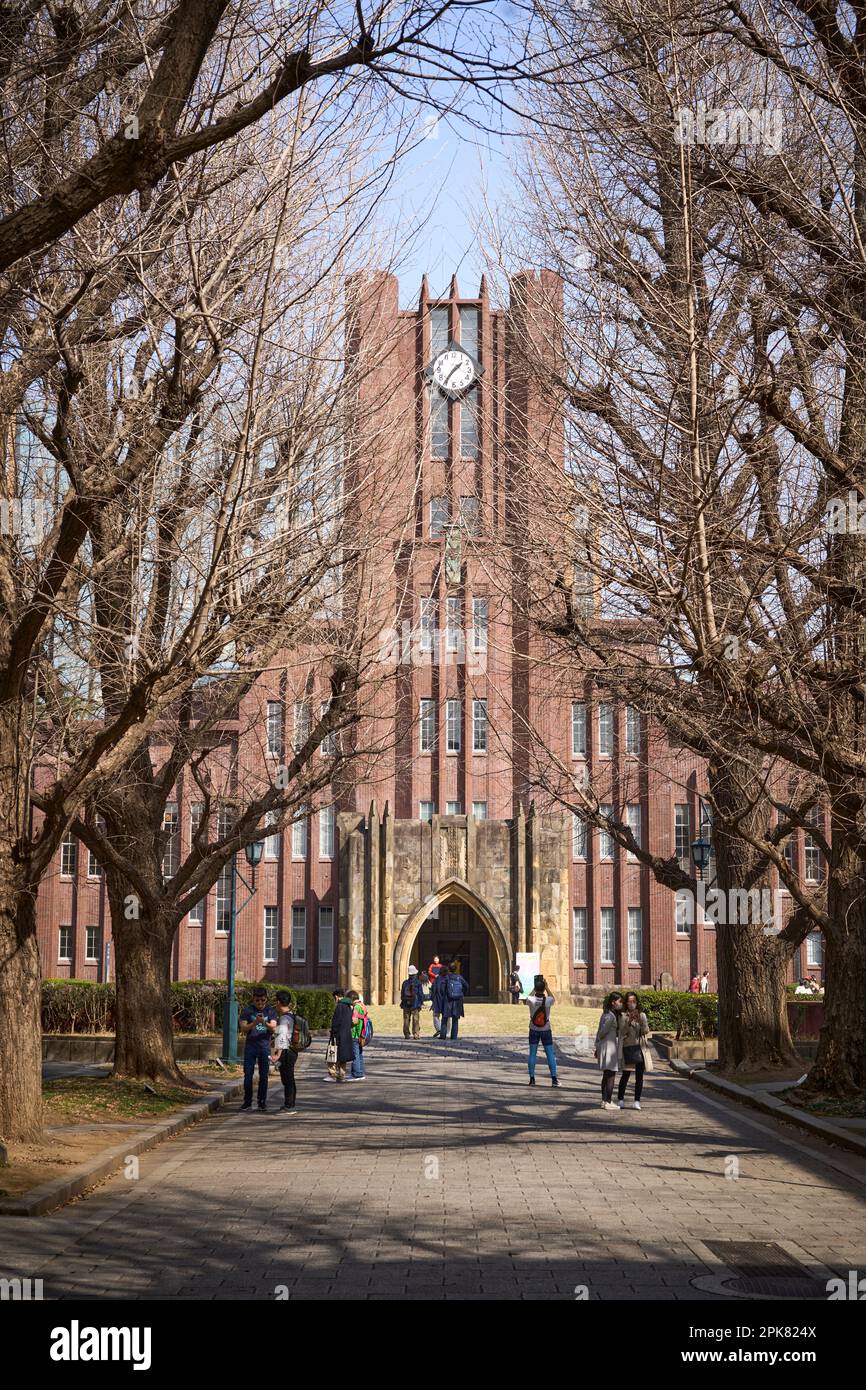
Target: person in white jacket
608	1047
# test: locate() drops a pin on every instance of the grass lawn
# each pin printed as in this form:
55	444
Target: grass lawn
490	1020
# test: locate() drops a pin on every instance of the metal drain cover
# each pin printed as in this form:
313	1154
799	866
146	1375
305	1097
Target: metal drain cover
762	1269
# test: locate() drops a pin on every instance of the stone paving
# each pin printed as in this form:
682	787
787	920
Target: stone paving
443	1175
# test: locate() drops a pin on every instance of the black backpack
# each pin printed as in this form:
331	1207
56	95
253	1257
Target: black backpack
408	994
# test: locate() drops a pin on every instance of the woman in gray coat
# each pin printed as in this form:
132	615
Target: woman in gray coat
608	1047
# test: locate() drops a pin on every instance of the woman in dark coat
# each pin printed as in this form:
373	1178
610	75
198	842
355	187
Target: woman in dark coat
452	1002
341	1034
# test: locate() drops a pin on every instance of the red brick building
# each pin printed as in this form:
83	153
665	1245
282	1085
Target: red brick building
444	844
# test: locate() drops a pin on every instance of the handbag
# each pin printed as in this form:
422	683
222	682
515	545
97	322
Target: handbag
648	1063
331	1054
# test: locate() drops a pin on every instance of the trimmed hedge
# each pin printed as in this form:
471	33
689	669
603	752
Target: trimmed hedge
83	1006
678	1011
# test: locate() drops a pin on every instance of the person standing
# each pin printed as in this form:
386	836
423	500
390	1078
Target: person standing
437	1001
540	1002
359	1019
341	1037
411	999
636	1056
337	995
705	982
452	1004
284	1054
259	1022
695	986
608	1047
515	988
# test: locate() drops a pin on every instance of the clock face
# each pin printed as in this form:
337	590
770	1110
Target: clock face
453	371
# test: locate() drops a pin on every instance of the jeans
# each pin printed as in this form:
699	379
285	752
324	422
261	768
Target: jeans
638	1081
358	1063
546	1041
412	1019
262	1056
287	1076
455	1022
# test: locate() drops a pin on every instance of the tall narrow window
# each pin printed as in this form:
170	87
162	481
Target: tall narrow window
470	515
91	945
275	728
480	617
605	730
469	330
580	942
272	842
452	624
428	622
195	916
328	746
94	868
633	821
171	840
302	724
68	855
64	946
469	425
608	935
440	330
426	725
326	935
439	424
815	949
440	516
299	836
225	820
578	729
632	730
813	864
327	821
453	725
578	837
635	936
271	935
706	823
682	834
299	934
479	726
605	839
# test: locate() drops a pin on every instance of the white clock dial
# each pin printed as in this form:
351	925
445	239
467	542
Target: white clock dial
453	371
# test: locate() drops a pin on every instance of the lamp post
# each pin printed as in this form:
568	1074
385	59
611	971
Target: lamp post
701	852
253	853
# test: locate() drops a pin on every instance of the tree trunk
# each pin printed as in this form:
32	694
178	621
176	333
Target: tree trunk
20	1011
144	1034
839	1068
751	965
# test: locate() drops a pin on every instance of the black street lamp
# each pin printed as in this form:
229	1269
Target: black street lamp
701	852
253	853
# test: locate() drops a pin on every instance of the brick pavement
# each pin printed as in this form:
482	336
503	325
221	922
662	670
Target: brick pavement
445	1176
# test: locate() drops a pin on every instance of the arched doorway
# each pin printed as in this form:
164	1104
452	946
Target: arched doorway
454	923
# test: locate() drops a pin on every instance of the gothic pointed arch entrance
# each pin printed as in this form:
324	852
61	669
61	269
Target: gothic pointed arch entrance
454	922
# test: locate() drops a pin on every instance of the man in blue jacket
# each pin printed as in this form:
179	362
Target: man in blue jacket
259	1023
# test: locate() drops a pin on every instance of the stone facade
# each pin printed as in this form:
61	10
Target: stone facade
513	874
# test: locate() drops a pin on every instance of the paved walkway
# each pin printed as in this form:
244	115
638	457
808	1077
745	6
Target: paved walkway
445	1176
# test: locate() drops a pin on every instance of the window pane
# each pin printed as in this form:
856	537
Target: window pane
815	949
470	515
578	729
469	425
427	725
91	944
272	842
329	742
682	834
580	945
275	728
633	821
302	724
635	936
440	515
479	624
327	818
428	622
68	855
605	839
454	725
608	935
479	810
171	840
452	624
578	837
299	935
439	426
469	331
271	935
326	936
632	730
479	726
64	944
453	808
440	331
605	730
299	837
426	810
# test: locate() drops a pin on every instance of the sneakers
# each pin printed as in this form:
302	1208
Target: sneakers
629	1105
247	1107
609	1105
532	1080
263	1110
635	1105
288	1110
554	1081
329	1078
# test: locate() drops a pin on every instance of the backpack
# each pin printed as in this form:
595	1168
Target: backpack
454	987
367	1035
539	1018
408	994
300	1039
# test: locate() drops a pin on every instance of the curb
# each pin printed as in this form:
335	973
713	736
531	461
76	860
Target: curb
770	1105
62	1190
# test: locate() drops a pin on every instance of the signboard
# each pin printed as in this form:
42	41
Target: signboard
528	966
